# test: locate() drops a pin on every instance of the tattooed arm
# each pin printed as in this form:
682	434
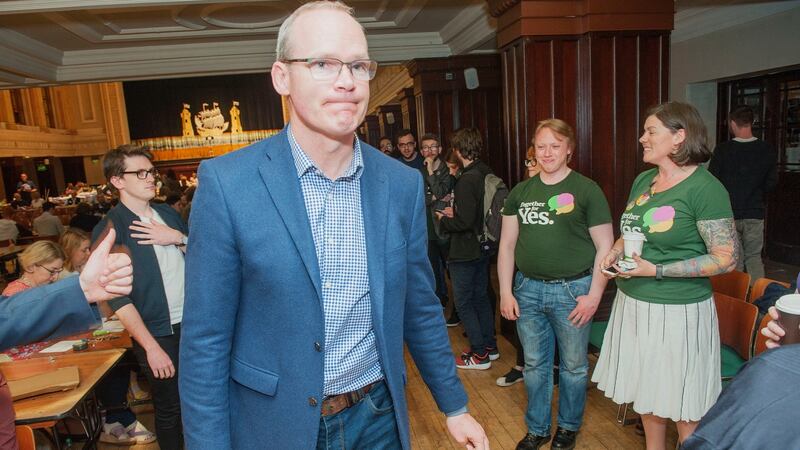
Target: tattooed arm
723	251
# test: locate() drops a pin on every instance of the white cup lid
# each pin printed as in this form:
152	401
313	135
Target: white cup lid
789	303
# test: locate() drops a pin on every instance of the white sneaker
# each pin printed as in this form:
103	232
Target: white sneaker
115	433
139	433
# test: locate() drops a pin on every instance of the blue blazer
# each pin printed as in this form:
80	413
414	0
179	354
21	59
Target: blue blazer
45	312
251	365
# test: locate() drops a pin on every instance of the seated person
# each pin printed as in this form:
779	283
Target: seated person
17	201
47	224
84	218
8	226
41	264
36	200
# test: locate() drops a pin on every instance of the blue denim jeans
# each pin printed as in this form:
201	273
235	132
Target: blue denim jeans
368	424
544	307
469	279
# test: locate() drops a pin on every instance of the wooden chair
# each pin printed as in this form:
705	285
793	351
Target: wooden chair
737	320
760	286
25	438
760	345
734	284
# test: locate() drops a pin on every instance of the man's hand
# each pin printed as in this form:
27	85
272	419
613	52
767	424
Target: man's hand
509	308
159	362
106	275
155	233
467	432
773	331
446	212
584	311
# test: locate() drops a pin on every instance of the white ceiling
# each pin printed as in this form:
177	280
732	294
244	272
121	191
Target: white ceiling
68	41
64	41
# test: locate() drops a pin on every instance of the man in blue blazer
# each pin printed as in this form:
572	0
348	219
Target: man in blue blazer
307	270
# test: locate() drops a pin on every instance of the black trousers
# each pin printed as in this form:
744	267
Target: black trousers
166	400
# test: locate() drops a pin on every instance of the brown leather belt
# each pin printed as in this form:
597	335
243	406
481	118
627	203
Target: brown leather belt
338	403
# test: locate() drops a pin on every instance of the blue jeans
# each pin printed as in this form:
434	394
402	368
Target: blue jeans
368	424
437	254
469	279
544	307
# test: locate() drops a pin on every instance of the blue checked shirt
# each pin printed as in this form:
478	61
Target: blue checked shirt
337	223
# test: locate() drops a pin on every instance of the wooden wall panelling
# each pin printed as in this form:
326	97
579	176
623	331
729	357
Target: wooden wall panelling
603	136
385	113
6	110
373	129
115	117
408	108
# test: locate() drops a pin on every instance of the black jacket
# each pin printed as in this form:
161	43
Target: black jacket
748	170
148	293
467	220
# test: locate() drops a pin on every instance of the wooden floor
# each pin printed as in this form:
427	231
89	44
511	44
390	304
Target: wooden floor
500	410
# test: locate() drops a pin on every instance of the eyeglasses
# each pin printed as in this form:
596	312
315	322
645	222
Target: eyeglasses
530	163
430	147
51	271
142	174
326	69
406	144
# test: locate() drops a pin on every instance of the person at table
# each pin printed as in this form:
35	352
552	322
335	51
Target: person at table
17	202
58	309
84	218
36	200
297	310
41	264
556	229
76	246
155	236
661	350
8	226
25	187
48	224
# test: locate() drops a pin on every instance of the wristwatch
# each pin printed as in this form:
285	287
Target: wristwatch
659	272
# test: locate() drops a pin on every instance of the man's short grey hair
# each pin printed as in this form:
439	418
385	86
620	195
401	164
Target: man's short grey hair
283	48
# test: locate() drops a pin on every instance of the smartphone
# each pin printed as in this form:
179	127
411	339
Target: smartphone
610	271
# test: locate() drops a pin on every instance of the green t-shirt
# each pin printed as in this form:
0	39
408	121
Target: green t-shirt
668	221
554	222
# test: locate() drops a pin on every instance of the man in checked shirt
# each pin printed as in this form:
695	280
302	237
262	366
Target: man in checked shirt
297	311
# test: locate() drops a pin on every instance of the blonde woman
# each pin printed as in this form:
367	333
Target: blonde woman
75	243
41	264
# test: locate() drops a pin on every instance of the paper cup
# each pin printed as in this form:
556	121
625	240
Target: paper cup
633	244
789	309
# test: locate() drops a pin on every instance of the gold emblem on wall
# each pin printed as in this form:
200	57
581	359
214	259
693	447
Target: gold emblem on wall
236	122
186	121
210	122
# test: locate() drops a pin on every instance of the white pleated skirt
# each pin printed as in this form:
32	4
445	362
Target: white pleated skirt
662	358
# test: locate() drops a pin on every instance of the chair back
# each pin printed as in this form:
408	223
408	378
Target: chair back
737	320
25	438
760	286
760	345
734	284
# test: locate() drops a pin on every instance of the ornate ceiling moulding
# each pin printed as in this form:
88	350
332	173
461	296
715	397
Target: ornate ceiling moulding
520	18
499	7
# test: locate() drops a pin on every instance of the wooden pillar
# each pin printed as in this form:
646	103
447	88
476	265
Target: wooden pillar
373	132
408	108
390	120
446	101
597	64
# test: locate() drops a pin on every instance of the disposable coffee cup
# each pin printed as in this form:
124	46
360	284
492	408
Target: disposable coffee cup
633	242
789	309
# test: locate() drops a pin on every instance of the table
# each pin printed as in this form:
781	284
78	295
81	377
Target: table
44	411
